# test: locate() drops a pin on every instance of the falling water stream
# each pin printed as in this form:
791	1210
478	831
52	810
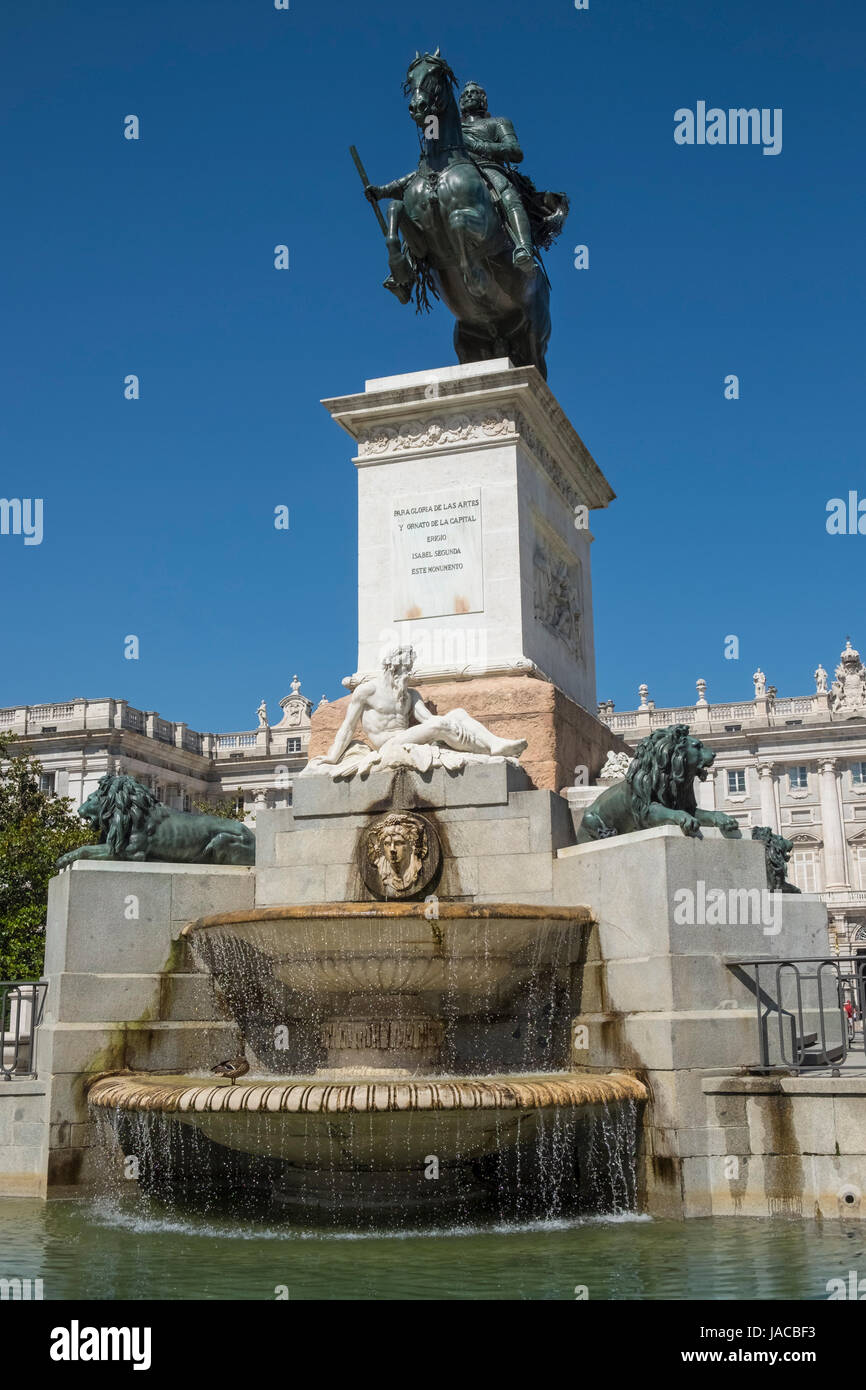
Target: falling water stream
404	1074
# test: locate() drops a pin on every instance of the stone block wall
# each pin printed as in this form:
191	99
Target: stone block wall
782	1146
659	995
497	834
22	1135
122	990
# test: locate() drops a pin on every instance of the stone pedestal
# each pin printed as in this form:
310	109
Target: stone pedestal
658	993
498	834
565	741
474	494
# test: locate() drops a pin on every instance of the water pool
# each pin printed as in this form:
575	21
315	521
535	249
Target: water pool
110	1249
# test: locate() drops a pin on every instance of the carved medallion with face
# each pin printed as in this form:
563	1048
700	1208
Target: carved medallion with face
399	855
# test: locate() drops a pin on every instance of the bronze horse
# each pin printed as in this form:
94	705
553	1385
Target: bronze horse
454	241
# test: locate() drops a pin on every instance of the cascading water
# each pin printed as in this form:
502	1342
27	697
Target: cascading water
406	1068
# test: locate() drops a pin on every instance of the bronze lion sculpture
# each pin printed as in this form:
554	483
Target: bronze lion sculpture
132	824
658	790
777	851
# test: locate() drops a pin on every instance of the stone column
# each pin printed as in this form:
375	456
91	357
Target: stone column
768	799
836	875
702	708
838	930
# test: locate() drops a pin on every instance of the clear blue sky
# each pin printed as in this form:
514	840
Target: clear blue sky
156	257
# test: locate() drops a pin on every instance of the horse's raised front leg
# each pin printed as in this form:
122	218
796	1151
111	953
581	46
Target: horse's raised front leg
402	276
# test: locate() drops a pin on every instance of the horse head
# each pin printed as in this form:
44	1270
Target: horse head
429	86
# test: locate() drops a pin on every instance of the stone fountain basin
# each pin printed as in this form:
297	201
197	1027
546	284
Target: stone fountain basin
335	951
356	1123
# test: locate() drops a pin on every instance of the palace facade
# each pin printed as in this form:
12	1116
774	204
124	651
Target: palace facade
79	740
796	763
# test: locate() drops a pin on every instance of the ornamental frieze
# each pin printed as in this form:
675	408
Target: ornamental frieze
469	427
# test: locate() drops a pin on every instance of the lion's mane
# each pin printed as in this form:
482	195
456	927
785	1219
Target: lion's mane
124	813
659	772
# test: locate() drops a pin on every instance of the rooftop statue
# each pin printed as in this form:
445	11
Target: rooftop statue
465	226
403	731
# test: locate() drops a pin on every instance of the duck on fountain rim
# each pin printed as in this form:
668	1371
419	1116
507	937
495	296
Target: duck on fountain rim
233	1068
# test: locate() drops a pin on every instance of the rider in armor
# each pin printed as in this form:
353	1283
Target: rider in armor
492	142
533	219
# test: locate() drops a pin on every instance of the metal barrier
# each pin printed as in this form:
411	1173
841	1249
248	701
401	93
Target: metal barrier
804	1025
22	1003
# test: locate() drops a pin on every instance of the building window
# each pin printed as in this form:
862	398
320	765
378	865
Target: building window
46	782
806	870
293	745
736	781
798	779
858	774
733	728
187	801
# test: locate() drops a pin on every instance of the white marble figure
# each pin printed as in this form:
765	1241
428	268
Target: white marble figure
403	731
616	765
760	682
820	680
848	691
262	712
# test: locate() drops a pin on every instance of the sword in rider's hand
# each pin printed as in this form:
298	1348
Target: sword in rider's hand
366	182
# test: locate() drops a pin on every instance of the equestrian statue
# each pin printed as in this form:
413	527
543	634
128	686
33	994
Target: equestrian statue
466	226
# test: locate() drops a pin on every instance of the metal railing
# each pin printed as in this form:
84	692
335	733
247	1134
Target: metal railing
809	1012
22	1003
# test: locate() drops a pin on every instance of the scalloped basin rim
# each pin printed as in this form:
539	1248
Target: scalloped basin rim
130	1091
528	912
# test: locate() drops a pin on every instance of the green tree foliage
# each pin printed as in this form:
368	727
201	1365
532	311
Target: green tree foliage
36	827
226	809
